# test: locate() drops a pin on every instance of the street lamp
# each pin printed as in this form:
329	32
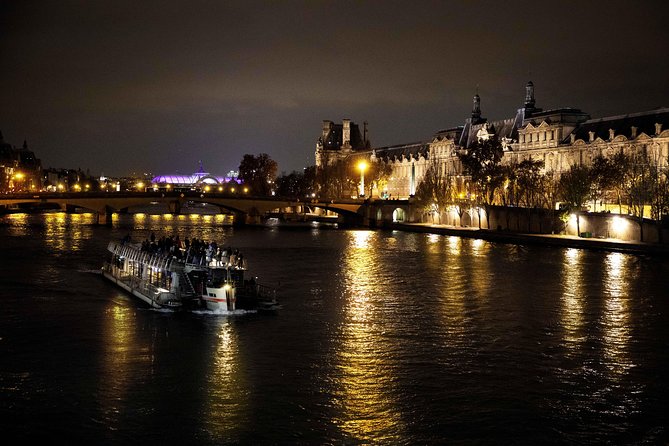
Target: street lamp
18	183
362	166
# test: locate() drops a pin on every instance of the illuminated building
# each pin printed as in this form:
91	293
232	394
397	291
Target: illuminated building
20	170
199	180
559	137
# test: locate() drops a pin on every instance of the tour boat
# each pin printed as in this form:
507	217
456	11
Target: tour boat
183	282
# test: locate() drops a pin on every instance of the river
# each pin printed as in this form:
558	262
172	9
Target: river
384	337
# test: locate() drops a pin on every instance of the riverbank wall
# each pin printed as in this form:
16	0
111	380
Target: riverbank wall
565	241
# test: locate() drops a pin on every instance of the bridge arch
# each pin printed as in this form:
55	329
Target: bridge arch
399	215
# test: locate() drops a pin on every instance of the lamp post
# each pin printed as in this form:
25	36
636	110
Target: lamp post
362	166
18	183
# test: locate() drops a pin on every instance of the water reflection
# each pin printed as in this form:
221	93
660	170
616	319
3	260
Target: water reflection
226	405
615	320
573	298
454	245
118	362
19	224
67	232
479	247
367	409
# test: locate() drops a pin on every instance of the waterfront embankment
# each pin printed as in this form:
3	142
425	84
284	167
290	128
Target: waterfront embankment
568	241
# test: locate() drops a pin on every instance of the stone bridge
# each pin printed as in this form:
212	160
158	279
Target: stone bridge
247	209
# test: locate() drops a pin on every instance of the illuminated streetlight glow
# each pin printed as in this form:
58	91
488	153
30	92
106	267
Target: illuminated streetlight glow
362	166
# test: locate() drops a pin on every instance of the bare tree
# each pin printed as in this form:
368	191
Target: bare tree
529	186
435	191
482	163
576	189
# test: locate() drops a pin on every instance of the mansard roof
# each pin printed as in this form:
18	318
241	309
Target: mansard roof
622	125
558	115
503	128
411	150
453	133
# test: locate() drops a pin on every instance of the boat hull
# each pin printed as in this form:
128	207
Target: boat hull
154	303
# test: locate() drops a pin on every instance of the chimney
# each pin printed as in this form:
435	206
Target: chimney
529	95
346	133
572	138
476	109
591	136
658	128
612	134
327	126
634	130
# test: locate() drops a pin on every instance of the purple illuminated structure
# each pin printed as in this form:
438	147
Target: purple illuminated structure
197	181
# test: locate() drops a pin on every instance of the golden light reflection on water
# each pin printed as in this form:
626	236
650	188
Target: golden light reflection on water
119	360
573	296
433	238
62	231
365	379
67	232
615	320
454	245
479	247
19	224
226	402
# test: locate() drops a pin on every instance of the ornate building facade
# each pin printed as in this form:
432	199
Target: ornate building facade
20	170
560	138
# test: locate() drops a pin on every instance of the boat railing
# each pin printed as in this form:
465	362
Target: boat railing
265	292
152	291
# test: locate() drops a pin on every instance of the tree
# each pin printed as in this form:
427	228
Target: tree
640	180
576	189
334	179
610	176
659	204
550	192
530	184
296	184
258	173
482	163
508	191
377	175
434	192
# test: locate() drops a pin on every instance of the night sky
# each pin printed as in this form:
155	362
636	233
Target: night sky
136	86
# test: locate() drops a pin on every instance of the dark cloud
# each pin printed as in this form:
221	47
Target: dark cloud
124	86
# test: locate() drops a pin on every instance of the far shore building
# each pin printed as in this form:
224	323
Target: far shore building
559	137
200	180
20	169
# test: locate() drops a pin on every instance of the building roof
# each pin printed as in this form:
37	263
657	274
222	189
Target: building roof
622	125
411	150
